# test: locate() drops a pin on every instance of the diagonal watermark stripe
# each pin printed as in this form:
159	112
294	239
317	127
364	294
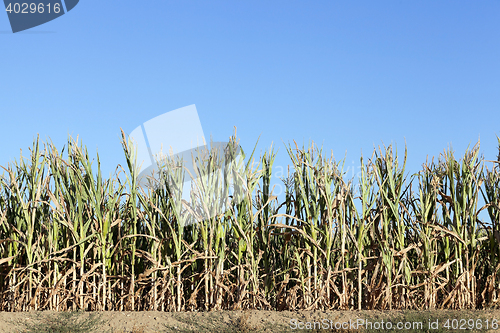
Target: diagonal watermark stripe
170	150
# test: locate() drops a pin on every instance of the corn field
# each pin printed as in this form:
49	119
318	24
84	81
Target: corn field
71	239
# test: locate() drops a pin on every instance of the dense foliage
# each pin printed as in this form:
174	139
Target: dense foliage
70	239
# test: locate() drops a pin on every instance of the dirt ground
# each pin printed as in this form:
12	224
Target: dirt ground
261	321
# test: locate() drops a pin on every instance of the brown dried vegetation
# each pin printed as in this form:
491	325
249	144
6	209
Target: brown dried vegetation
72	240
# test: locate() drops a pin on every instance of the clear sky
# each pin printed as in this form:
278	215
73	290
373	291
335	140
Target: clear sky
349	75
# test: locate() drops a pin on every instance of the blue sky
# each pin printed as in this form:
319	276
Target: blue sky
349	75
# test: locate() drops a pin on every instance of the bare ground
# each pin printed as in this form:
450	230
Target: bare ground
254	321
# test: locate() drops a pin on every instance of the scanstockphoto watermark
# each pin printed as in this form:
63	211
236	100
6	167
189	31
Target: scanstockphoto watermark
28	14
358	324
170	151
448	324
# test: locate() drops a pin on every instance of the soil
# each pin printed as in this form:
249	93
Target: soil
257	321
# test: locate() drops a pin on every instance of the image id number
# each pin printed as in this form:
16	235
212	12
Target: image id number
32	8
462	324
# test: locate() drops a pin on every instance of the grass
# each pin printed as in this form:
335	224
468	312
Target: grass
429	321
62	322
71	239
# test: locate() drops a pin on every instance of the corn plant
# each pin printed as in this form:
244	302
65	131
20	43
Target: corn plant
72	239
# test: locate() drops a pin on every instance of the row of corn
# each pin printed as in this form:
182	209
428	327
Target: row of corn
72	239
